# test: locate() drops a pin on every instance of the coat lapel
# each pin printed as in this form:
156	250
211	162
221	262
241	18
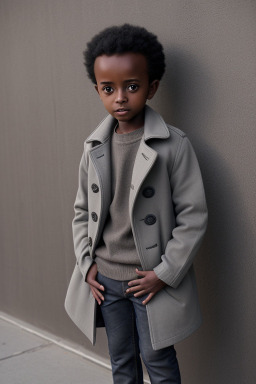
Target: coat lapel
154	128
144	161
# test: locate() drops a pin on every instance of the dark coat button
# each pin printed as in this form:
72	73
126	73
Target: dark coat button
90	241
148	192
94	216
95	188
150	220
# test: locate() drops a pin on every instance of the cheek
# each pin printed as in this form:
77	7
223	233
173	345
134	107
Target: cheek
139	98
143	99
106	103
102	98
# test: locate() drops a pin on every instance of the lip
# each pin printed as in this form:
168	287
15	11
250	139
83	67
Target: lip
121	111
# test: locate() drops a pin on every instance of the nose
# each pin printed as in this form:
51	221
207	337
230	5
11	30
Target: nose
121	96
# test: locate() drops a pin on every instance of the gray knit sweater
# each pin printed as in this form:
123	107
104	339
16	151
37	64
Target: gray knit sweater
116	255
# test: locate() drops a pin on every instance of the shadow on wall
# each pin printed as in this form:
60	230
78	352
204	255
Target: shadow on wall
188	97
222	273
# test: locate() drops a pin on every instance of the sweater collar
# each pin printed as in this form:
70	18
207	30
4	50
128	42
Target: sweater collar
154	127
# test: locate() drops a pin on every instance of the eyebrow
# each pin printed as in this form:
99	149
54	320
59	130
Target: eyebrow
126	81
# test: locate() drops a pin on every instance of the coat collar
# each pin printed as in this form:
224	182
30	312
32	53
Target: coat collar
154	127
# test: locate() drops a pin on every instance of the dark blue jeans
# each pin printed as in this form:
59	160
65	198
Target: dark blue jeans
128	335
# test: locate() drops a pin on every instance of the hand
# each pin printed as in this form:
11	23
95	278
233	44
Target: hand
149	283
94	285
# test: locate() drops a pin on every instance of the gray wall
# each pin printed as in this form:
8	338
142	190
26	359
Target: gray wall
48	107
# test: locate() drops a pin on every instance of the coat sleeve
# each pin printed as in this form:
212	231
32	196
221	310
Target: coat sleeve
191	216
80	221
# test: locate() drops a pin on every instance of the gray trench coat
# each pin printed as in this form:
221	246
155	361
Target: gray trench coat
168	217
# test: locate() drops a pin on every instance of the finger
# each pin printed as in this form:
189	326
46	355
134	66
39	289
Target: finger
141	273
95	284
134	282
140	293
148	298
97	295
96	298
134	289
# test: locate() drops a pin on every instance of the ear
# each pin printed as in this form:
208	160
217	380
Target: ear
153	87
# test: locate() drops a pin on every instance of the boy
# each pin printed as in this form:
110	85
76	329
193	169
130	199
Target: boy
140	215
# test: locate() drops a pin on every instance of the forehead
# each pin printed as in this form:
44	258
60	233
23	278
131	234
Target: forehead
131	65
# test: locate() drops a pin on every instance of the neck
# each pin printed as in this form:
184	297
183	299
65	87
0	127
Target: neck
130	126
122	129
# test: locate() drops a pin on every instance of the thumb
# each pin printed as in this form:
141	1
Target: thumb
140	273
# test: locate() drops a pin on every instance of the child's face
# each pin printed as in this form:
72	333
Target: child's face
123	86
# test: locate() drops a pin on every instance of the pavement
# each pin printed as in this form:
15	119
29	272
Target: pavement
28	356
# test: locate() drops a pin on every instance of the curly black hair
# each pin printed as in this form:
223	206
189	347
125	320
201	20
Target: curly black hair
122	39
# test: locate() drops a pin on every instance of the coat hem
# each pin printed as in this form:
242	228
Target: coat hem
177	338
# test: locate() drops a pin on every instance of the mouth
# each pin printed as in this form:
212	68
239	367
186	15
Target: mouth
121	111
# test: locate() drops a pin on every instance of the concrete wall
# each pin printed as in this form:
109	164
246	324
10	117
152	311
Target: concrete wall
48	107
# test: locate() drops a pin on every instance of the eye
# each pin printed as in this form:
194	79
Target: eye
133	87
107	89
